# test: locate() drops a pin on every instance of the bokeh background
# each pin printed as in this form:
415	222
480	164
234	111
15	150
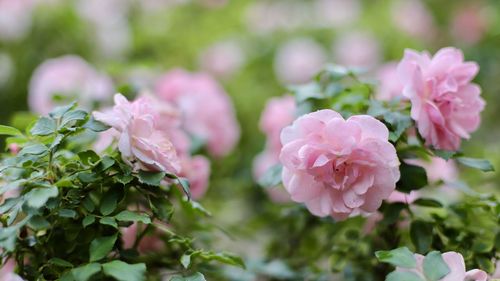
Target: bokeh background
255	49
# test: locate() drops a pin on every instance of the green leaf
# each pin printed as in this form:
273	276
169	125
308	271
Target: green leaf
38	223
43	127
399	123
421	235
95	125
88	220
401	257
485	263
272	177
435	267
85	272
9	131
445	154
67	213
186	260
132	216
403	276
195	277
427	202
89	157
151	178
105	163
73	115
122	271
412	178
100	247
34	149
59	111
37	197
480	164
228	258
109	221
162	208
60	262
109	202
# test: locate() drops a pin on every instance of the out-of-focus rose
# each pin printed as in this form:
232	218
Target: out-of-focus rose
197	171
222	59
456	263
14	148
336	13
7	272
266	17
207	111
413	18
141	143
149	243
278	113
298	60
15	18
64	79
338	167
469	24
445	104
407	198
357	49
390	87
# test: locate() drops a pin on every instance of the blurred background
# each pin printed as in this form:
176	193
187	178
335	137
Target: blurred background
254	48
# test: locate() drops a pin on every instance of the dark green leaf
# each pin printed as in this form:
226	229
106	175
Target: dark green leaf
228	258
67	213
38	196
412	178
162	208
60	262
151	178
109	201
9	131
132	216
421	235
401	257
403	276
100	247
109	221
88	220
485	263
435	267
445	154
85	272
105	163
480	164
427	202
38	223
122	271
184	183
43	127
89	157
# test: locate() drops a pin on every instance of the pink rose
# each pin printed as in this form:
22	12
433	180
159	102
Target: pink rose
338	167
336	13
15	18
222	59
469	24
197	171
445	104
357	49
149	243
207	111
7	272
297	61
141	143
456	263
70	78
278	113
413	18
389	85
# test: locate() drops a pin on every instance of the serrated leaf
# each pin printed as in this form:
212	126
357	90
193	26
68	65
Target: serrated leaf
403	276
434	266
100	247
85	272
122	271
151	178
401	257
480	164
109	221
9	131
37	197
43	127
132	216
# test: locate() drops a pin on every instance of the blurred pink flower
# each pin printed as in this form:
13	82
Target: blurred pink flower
389	85
222	59
298	60
401	197
149	243
456	263
357	49
265	17
7	272
445	104
263	162
338	167
141	143
278	113
14	148
69	78
413	18
197	171
15	18
469	24
207	111
336	13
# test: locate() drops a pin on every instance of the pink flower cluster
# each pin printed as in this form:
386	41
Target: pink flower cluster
338	167
279	113
445	104
456	264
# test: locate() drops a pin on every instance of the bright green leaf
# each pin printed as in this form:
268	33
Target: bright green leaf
132	216
9	131
88	220
109	221
435	267
100	247
151	178
85	272
122	271
403	276
401	257
37	197
43	127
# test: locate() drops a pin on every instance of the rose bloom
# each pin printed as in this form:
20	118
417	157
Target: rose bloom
445	104
140	143
7	272
456	263
196	170
206	109
336	13
222	59
69	78
15	18
149	243
389	85
357	49
298	60
413	18
469	24
338	167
